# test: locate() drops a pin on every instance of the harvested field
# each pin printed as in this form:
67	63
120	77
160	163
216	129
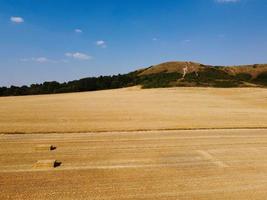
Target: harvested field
226	161
199	164
133	109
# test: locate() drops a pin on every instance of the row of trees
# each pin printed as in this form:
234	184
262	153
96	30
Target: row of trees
94	83
86	84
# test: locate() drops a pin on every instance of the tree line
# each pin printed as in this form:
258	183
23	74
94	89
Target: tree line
93	84
85	84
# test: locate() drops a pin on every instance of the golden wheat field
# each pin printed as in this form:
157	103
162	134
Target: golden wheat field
133	109
135	144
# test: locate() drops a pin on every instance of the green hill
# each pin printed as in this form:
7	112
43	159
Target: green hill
196	74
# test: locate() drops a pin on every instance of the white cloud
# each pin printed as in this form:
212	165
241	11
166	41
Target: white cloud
17	20
35	59
78	30
185	41
41	60
155	39
64	61
101	43
78	56
24	59
227	1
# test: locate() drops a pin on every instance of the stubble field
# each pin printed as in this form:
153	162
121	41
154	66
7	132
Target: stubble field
104	155
134	109
203	164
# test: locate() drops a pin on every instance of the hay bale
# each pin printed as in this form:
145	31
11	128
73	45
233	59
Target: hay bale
45	147
46	164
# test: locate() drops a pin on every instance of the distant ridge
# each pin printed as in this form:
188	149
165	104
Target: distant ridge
197	74
169	67
168	74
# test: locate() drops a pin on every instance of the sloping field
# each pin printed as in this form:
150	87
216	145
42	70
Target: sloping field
229	162
171	165
133	109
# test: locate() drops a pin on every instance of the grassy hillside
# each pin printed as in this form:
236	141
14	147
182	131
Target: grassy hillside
169	74
195	74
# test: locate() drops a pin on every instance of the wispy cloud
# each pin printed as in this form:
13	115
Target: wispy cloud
37	59
43	60
155	39
77	30
227	1
186	41
78	56
17	20
75	55
101	43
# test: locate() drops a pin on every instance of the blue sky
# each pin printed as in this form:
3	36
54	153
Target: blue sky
44	40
